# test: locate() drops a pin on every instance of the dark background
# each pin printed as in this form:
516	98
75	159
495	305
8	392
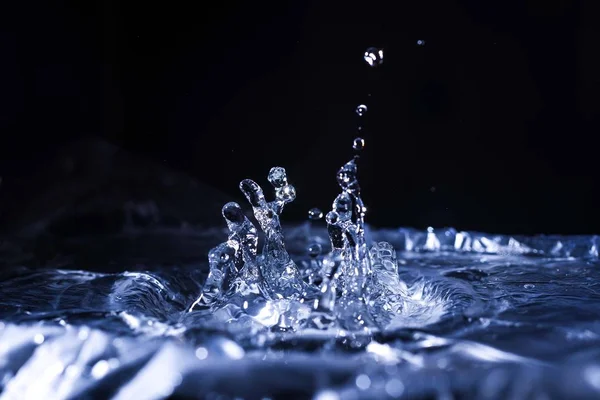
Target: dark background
490	126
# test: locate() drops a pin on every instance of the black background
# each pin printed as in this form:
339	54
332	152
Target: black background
490	126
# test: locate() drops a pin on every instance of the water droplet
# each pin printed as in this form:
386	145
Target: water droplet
39	338
361	110
394	387
314	249
363	211
529	286
315	214
359	144
233	212
374	56
201	353
332	217
363	382
420	42
277	177
346	176
100	369
327	395
286	193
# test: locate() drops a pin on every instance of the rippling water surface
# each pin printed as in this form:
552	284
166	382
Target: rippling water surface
487	317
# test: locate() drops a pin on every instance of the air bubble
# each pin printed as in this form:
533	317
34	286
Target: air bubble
363	382
420	42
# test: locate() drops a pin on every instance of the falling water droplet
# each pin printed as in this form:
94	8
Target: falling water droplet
359	144
374	56
277	177
314	249
315	214
361	110
420	42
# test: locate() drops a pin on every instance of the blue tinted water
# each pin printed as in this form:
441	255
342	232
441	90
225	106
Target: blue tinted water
492	317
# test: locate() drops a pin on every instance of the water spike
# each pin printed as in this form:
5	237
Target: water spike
253	193
278	270
242	230
222	272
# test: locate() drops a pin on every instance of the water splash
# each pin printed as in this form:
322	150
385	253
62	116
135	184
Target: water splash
350	287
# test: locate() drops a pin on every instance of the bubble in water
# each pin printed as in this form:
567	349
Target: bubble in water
359	144
361	110
277	177
315	214
314	249
374	56
529	286
420	42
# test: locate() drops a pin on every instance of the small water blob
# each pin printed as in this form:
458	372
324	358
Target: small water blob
327	395
332	217
359	144
100	369
529	286
394	387
314	249
361	110
315	214
363	382
201	353
374	56
286	193
277	177
420	42
39	338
